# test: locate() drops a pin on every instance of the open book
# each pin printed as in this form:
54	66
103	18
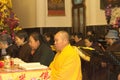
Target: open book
32	66
29	66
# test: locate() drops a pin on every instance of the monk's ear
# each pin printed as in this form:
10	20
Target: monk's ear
38	42
65	40
23	39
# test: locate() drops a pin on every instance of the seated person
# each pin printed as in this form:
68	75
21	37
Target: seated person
7	47
72	38
49	38
13	50
41	52
21	39
95	69
78	37
66	64
91	33
113	42
91	43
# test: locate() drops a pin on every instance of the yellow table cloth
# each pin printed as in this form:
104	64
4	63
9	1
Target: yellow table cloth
41	74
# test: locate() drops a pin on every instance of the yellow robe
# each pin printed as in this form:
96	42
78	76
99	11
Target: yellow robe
66	65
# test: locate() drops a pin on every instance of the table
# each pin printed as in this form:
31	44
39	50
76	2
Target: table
19	74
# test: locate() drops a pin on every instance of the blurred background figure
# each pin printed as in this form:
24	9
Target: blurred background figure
72	38
79	39
90	42
49	38
112	40
91	33
93	70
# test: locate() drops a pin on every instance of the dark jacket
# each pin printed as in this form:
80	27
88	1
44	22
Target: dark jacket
80	43
43	54
24	52
113	59
114	47
13	50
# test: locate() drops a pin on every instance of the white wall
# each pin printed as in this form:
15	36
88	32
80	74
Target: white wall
61	21
26	12
33	13
94	15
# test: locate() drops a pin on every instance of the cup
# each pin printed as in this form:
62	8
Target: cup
7	62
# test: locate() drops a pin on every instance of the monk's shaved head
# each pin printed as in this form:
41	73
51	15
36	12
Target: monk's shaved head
61	40
64	35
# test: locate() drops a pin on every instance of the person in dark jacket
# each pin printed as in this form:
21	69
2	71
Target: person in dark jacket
79	40
49	38
93	70
113	43
41	52
21	39
13	50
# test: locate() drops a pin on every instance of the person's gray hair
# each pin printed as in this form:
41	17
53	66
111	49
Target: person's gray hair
5	39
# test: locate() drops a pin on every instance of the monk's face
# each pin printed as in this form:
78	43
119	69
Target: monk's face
59	42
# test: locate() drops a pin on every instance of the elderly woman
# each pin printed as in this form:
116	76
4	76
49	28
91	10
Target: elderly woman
7	47
41	52
4	44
